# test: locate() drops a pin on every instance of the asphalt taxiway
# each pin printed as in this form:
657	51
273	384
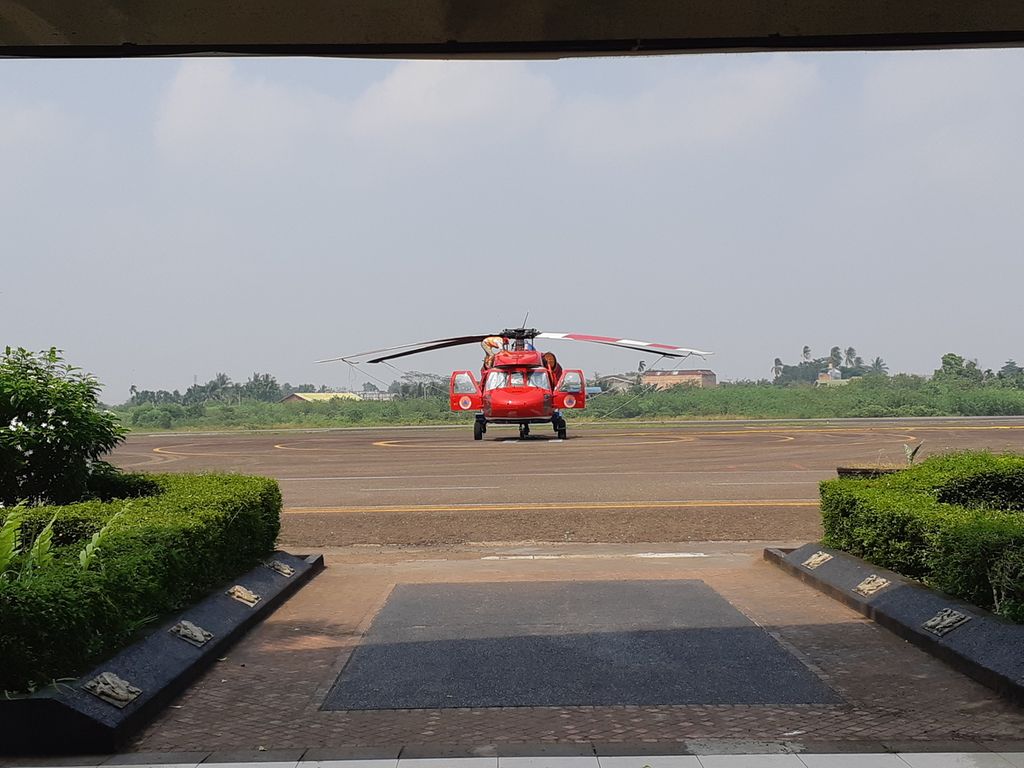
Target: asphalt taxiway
606	483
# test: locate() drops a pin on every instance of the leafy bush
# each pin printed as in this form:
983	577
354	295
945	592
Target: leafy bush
111	566
51	430
954	522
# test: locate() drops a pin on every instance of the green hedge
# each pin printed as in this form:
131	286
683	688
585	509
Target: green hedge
955	522
163	552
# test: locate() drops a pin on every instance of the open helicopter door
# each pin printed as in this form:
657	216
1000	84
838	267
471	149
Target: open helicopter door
464	392
571	391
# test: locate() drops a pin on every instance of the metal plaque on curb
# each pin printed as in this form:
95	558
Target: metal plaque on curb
871	585
945	621
283	568
818	558
112	689
191	633
243	595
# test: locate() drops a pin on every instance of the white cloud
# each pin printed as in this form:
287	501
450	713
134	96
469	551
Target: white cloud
453	96
434	110
693	109
211	110
214	110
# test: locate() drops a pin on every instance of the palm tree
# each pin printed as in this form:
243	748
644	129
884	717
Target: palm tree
777	367
218	387
835	356
878	366
851	356
806	354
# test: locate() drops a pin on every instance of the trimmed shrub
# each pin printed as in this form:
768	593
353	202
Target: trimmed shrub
161	553
955	522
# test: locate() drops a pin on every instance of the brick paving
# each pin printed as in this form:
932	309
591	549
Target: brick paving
268	690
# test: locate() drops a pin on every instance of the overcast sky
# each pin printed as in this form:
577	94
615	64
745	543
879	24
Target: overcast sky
166	219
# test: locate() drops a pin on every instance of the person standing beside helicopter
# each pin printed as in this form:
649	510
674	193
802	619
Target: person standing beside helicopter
555	373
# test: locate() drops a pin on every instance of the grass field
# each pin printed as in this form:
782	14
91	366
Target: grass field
870	397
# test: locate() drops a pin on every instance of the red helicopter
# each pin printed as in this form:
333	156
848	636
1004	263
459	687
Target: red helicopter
518	384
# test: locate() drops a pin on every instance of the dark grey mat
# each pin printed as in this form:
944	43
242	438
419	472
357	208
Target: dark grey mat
567	644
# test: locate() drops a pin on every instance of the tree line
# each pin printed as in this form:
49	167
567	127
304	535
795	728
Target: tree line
264	388
220	389
808	369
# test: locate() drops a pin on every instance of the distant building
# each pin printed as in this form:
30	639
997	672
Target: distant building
833	377
616	383
664	379
369	394
318	397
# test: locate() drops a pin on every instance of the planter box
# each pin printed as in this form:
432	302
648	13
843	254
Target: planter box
973	641
159	667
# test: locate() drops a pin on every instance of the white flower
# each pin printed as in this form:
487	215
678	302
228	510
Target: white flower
29	414
64	423
43	425
28	452
50	412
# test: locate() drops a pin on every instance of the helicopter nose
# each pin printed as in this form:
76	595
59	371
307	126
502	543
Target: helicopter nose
526	403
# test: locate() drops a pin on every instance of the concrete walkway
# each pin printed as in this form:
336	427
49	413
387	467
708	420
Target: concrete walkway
1012	759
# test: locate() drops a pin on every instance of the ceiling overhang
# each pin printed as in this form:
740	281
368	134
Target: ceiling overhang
495	28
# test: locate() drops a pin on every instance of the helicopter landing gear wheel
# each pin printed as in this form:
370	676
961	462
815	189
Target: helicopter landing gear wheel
524	431
478	430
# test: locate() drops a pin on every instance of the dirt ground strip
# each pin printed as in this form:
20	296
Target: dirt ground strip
269	690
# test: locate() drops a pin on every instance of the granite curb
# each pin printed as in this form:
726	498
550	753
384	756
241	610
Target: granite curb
160	666
971	640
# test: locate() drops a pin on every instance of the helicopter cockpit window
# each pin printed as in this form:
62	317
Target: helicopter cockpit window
571	382
516	379
496	380
464	384
539	378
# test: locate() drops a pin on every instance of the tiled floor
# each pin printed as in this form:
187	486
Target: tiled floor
868	760
270	689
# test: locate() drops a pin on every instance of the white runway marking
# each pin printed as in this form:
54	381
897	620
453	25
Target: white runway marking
668	554
642	555
439	488
772	482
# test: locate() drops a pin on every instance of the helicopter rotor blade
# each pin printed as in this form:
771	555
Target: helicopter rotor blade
667	350
407	349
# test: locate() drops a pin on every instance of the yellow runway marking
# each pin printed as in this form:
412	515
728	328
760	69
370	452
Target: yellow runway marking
593	442
610	439
788	434
166	451
553	506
